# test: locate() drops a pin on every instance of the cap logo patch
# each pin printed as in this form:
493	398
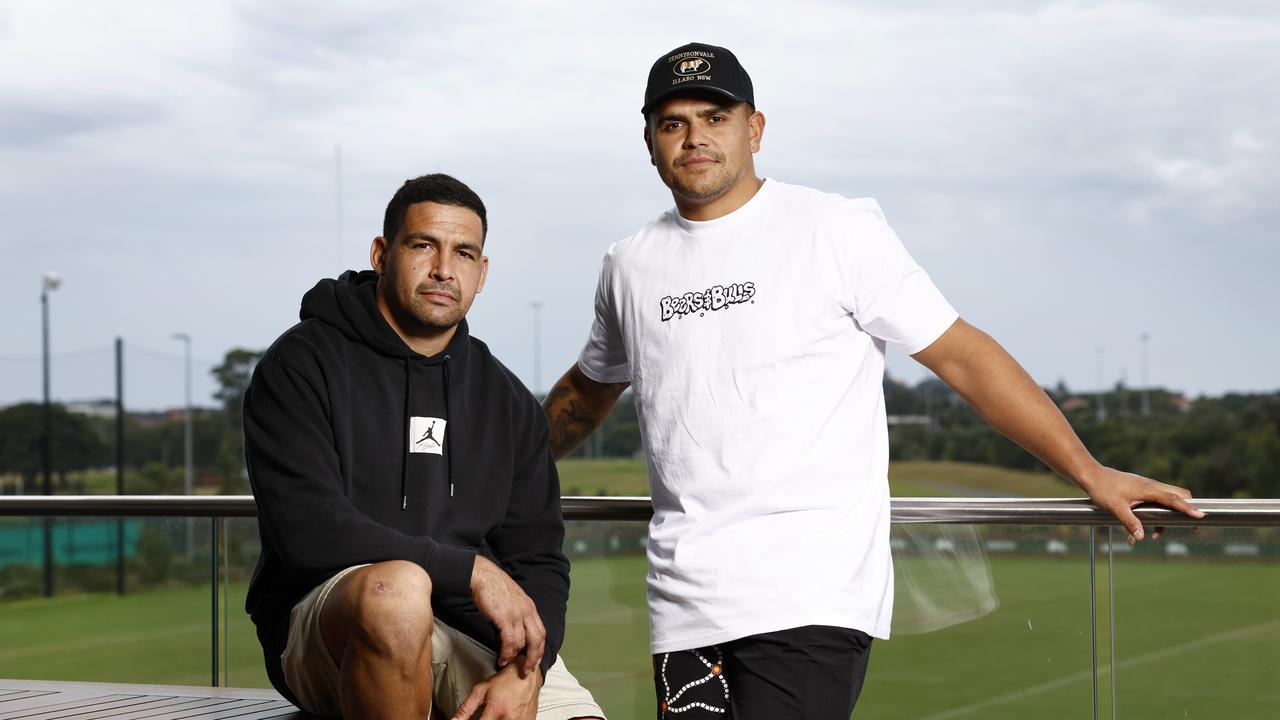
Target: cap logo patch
691	66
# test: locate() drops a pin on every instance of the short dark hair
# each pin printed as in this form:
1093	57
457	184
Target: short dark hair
436	188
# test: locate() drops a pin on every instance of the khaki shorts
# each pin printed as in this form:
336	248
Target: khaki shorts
457	663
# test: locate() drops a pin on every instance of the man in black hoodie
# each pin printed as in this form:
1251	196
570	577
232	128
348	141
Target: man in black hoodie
407	502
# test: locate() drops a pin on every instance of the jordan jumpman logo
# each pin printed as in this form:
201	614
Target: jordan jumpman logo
430	435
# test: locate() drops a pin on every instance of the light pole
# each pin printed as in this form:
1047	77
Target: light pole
1102	390
337	177
187	480
537	347
1146	381
51	282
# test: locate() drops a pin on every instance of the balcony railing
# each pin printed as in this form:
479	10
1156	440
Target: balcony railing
967	511
1005	607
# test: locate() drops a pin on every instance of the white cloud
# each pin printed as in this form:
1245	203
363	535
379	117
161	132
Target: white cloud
1238	176
175	161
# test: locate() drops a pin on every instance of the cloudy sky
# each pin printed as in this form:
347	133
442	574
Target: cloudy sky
1072	174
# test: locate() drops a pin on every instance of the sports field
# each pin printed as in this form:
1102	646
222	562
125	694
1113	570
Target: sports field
1193	639
1194	636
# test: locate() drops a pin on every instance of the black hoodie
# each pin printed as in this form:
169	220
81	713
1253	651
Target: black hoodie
340	481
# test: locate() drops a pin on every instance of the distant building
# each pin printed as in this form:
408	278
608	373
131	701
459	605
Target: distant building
1074	403
104	408
910	420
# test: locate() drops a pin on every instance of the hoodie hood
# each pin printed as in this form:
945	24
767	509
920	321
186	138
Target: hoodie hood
341	412
350	304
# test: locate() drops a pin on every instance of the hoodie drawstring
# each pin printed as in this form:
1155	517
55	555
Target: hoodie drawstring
404	456
448	441
448	435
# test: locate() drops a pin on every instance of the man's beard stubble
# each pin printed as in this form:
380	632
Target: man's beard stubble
435	318
711	185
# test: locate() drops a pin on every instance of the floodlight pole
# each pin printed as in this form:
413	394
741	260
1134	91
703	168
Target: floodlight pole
188	479
337	184
46	418
537	347
1146	380
119	462
1102	390
50	282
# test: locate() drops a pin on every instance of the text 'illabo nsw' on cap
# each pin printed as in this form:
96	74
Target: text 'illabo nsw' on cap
697	67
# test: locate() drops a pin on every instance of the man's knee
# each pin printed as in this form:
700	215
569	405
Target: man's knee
385	608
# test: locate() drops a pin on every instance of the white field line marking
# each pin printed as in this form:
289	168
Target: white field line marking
1122	665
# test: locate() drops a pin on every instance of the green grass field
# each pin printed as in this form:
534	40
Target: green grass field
1194	637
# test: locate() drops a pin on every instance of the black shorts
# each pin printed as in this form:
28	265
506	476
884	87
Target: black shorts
813	672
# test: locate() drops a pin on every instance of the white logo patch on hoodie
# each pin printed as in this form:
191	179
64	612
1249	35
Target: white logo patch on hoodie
426	435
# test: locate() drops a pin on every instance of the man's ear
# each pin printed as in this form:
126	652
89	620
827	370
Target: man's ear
648	143
484	272
756	125
378	254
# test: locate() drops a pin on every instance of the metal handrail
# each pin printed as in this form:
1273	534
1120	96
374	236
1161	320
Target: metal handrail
903	510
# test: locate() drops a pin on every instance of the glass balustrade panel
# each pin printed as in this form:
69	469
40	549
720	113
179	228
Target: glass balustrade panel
131	600
606	643
990	622
242	663
1196	626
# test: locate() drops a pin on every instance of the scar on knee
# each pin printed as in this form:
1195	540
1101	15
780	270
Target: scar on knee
379	588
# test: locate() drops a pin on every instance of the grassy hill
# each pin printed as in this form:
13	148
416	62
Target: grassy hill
625	476
906	479
956	479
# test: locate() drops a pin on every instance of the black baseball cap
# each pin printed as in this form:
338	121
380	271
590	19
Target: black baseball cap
697	67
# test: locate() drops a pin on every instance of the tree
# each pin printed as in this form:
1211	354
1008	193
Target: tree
1261	467
1218	447
156	480
899	398
233	377
75	444
149	441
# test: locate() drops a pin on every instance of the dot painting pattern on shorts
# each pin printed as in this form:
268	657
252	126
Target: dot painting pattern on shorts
671	702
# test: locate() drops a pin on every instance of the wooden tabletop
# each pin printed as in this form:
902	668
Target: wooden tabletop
47	700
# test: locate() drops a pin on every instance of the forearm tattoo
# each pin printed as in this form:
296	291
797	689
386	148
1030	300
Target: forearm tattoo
570	423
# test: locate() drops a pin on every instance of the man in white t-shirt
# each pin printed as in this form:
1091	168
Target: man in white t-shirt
751	320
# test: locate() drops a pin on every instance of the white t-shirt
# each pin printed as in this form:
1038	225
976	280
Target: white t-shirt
755	346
